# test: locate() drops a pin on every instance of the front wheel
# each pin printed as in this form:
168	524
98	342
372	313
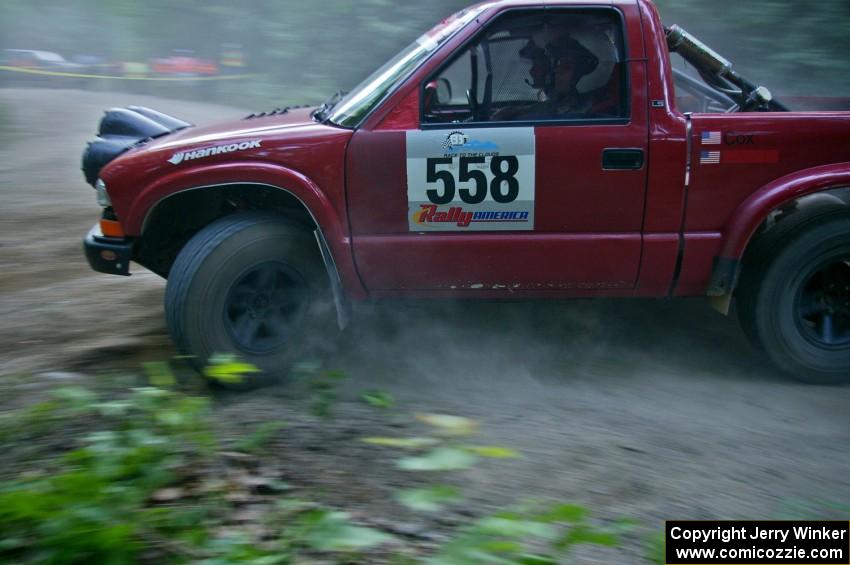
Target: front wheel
252	285
799	304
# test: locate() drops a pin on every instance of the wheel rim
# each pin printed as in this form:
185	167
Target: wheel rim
823	305
265	306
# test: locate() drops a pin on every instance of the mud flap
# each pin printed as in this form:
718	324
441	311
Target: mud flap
341	303
721	303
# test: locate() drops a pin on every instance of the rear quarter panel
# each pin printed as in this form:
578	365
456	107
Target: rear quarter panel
733	156
755	149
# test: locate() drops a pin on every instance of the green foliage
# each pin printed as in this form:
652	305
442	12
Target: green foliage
448	425
525	535
402	442
228	369
493	452
160	374
656	550
333	531
429	499
91	503
322	385
511	537
378	399
439	459
142	478
448	453
122	491
260	437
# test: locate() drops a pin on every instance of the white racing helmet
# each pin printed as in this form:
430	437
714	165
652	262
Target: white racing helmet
602	45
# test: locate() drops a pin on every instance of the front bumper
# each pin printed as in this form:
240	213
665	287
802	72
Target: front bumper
109	255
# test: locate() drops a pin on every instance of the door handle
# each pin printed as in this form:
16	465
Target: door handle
622	159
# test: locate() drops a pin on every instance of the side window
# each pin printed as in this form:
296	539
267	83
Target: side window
534	65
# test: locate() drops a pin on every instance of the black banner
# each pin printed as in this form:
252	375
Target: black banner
757	543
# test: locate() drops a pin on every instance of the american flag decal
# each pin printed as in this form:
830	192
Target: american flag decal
711	138
709	157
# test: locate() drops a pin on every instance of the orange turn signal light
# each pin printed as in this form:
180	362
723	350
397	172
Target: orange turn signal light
111	228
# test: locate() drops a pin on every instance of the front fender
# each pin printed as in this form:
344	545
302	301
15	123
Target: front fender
333	225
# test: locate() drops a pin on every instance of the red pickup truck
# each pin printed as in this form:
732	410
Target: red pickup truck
519	149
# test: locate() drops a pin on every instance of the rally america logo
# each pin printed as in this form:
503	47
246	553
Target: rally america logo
178	158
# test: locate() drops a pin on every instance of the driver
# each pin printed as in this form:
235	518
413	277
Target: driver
555	71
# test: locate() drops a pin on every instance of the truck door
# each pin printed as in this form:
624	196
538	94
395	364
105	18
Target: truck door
525	173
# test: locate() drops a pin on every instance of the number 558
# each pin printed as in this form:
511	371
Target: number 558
503	186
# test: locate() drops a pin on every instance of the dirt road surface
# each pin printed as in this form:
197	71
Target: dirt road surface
638	409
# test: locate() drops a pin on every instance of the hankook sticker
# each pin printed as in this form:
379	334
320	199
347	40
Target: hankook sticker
181	156
471	180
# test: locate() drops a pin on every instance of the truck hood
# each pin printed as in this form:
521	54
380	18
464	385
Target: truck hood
253	126
135	129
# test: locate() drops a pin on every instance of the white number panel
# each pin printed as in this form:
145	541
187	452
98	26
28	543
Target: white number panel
471	180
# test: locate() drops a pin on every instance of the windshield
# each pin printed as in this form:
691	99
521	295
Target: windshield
359	102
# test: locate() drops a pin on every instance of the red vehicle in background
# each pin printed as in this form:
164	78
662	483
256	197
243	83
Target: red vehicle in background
183	64
517	150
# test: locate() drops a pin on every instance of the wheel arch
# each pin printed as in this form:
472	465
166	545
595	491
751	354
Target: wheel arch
286	189
173	220
787	202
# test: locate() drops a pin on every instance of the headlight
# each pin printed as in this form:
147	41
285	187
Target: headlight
102	196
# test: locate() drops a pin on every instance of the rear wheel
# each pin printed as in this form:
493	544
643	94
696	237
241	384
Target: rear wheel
797	306
252	285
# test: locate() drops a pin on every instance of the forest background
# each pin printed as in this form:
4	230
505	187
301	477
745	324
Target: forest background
301	52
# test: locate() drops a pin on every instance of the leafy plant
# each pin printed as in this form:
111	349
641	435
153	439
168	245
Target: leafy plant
378	399
656	549
142	478
228	369
449	453
439	459
429	499
259	437
92	502
145	483
333	531
524	536
322	384
528	534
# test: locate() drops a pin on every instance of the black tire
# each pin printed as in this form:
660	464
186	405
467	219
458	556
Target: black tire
763	249
252	285
795	303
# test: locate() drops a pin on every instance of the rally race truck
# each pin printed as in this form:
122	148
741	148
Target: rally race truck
520	149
